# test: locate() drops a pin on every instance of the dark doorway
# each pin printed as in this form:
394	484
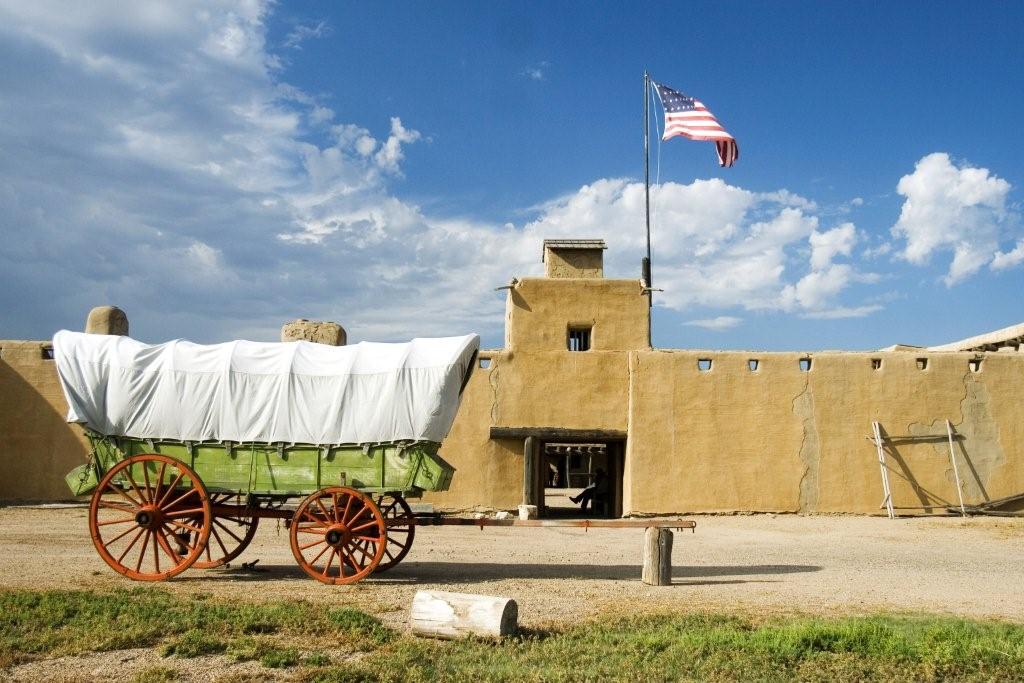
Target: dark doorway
568	468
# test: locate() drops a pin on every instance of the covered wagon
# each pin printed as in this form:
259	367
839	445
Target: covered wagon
193	444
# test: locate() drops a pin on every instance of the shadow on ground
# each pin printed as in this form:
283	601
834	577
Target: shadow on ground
473	572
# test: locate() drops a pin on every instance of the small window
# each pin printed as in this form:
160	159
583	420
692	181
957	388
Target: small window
805	365
876	363
704	364
579	338
974	364
485	363
922	363
752	364
47	353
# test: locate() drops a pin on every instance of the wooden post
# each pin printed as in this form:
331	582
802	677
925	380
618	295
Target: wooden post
530	468
657	569
441	614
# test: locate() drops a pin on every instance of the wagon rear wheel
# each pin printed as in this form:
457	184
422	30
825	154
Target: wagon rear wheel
150	517
230	533
400	536
338	535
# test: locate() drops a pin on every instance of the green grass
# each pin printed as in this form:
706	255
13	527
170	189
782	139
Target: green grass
714	647
156	674
71	622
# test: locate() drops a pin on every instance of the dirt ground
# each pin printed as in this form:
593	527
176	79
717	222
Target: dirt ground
752	563
763	564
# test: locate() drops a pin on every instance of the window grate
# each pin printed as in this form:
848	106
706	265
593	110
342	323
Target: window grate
579	338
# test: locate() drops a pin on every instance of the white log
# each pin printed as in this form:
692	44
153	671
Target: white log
657	569
441	614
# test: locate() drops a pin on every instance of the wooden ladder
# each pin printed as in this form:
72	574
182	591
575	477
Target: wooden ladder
887	503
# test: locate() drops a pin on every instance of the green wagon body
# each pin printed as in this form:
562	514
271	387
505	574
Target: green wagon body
283	470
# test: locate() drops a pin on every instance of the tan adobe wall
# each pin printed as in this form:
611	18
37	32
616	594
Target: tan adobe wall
539	312
37	446
574	263
526	389
781	439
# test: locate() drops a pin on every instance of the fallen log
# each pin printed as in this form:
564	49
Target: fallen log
440	614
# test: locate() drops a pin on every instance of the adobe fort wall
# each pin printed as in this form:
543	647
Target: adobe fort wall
37	446
703	431
727	438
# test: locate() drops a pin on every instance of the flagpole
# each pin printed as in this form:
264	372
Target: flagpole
646	267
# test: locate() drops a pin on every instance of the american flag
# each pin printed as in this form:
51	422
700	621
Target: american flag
690	118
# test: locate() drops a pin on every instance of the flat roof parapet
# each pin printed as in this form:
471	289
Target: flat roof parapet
571	244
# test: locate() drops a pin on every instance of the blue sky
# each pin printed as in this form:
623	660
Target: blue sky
218	168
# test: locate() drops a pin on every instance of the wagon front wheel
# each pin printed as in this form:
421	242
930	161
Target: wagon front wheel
150	517
338	535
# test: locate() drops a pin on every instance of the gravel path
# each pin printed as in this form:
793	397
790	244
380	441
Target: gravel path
756	563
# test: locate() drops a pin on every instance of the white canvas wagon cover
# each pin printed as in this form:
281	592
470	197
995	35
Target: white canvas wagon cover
294	392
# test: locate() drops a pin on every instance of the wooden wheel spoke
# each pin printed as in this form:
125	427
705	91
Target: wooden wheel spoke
135	486
180	498
320	554
330	560
401	530
359	513
305	546
327	515
185	526
130	545
160	481
226	530
173	514
156	551
124	494
351	563
170	489
161	538
348	505
116	521
312	530
142	555
121	535
216	537
308	514
117	505
367	525
376	540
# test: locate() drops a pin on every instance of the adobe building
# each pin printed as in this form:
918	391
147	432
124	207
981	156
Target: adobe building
577	387
722	431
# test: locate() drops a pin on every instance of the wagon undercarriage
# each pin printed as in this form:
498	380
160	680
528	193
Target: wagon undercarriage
151	517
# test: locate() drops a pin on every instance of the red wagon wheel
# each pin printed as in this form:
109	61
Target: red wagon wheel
150	517
230	534
338	535
400	536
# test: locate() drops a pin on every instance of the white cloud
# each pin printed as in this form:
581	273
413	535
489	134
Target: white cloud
718	324
536	72
390	153
713	244
1002	260
827	245
815	290
951	208
303	32
154	158
843	312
